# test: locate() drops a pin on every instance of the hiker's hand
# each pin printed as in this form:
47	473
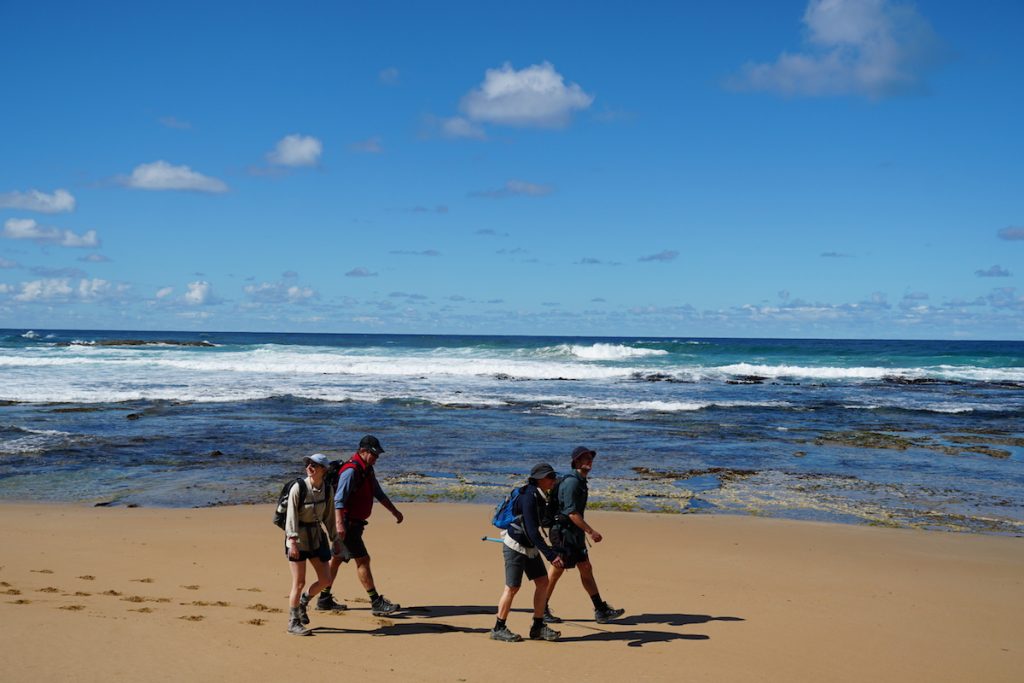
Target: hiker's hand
595	536
341	533
293	550
398	516
558	562
336	547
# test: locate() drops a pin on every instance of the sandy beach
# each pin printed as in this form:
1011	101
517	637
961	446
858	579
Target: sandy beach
170	594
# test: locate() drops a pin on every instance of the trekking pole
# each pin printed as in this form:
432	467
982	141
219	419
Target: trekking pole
488	538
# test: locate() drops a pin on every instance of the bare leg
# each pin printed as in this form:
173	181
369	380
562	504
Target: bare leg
323	577
505	603
364	573
587	577
298	582
540	596
554	574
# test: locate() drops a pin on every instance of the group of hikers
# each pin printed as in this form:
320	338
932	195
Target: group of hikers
325	513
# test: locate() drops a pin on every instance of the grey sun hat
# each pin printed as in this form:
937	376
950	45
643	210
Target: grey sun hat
316	459
542	470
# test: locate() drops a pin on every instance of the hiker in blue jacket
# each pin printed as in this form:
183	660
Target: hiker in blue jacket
523	546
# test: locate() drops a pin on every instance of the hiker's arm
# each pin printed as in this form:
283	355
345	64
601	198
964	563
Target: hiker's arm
531	526
291	523
578	520
340	499
382	498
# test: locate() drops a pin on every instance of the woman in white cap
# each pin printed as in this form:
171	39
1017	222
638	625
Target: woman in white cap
310	511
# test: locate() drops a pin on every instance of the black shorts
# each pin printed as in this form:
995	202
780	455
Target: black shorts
571	544
323	553
516	563
354	546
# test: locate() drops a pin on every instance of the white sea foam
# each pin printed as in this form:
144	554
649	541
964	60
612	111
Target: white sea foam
604	352
31	334
35	440
796	371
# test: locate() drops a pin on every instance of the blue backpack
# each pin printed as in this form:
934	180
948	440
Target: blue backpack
503	514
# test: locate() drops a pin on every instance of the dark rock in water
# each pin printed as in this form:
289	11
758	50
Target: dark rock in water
799	454
104	504
659	377
133	416
864	440
216	454
897	379
502	376
9	403
986	450
138	342
133	505
746	379
723	473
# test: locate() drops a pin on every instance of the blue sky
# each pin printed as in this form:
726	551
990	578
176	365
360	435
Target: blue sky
832	168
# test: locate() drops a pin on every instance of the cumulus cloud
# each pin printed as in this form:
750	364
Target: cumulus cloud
296	150
60	201
994	271
44	290
514	188
164	292
360	272
199	293
370	145
279	293
174	122
536	96
1011	233
459	127
63	289
870	48
28	229
388	76
94	258
161	175
667	255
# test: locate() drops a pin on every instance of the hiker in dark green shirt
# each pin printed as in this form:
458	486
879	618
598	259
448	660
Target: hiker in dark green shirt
569	533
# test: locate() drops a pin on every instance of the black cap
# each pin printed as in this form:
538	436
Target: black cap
542	470
580	452
370	443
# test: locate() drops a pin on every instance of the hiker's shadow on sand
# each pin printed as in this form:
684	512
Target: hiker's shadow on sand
433	611
670	619
641	637
404	628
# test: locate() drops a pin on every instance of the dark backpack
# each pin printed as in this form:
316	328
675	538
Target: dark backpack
333	474
504	515
281	511
552	511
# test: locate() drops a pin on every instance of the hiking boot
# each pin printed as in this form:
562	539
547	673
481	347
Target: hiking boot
544	632
606	613
326	603
550	618
295	626
505	635
303	603
381	607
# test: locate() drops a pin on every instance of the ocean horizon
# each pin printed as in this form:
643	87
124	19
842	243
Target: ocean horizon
905	433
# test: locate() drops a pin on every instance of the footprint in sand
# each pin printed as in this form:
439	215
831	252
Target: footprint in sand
73	608
193	617
193	587
146	580
143	610
48	589
87	577
263	608
21	602
251	590
140	598
115	593
82	594
204	603
41	571
255	622
12	591
7	585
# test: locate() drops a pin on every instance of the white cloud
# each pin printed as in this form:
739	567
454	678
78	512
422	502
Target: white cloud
1011	233
199	293
161	175
389	76
5	288
279	292
59	202
534	96
512	188
459	127
164	292
368	146
28	229
994	271
46	289
871	48
94	258
667	255
6	263
296	150
360	272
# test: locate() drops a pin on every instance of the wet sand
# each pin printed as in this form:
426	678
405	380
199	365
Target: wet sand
169	594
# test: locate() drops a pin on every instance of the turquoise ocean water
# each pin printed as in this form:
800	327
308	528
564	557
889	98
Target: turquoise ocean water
903	433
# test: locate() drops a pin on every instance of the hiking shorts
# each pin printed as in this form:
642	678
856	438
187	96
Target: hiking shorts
571	544
354	538
516	563
323	553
